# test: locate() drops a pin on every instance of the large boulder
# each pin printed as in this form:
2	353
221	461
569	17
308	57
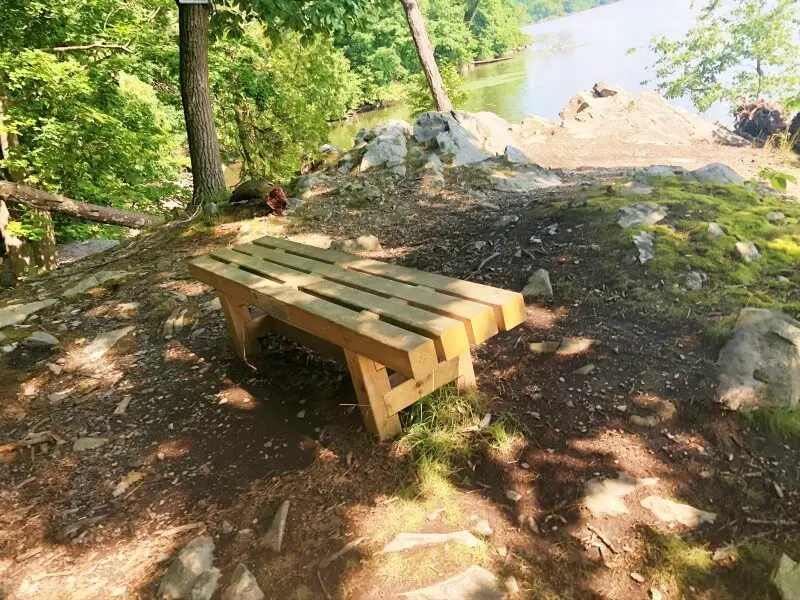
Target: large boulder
388	145
469	137
717	173
760	365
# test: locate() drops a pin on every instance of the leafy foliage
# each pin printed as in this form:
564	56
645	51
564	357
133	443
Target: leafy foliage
745	48
419	97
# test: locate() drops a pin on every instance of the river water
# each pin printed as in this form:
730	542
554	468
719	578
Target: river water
566	56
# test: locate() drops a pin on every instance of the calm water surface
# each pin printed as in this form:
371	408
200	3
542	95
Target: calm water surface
566	56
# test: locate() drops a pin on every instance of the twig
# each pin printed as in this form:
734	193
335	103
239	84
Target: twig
778	522
603	538
96	46
325	562
319	578
181	529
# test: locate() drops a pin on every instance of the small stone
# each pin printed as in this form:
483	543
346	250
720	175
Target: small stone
747	251
644	243
513	495
647	213
505	221
605	496
13	314
88	443
226	528
649	421
717	173
695	280
194	559
511	585
273	538
205	585
55	369
715	231
488	205
363	243
538	285
543	347
41	339
775	215
406	541
655	594
301	414
242	586
97	279
584	370
638	578
476	583
97	348
483	528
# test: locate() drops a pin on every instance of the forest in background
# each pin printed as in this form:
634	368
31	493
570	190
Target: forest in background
548	9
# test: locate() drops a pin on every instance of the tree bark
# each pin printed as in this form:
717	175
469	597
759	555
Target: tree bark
196	97
425	52
23	194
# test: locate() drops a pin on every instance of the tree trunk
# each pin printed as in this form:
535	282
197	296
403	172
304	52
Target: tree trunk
425	52
17	192
196	96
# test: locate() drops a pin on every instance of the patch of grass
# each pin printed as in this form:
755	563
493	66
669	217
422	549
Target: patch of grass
502	438
438	436
783	422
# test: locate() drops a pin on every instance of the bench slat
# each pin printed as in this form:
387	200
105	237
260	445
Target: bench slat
449	335
509	307
478	319
405	352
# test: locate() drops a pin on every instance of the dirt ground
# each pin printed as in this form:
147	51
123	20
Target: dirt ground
210	444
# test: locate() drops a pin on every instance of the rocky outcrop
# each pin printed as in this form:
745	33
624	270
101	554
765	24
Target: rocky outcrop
387	145
760	365
468	137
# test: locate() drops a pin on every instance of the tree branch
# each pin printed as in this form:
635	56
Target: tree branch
96	46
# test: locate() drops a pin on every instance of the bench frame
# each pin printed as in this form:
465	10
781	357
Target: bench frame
380	395
402	333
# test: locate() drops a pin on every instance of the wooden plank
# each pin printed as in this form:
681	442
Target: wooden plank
408	392
371	383
449	335
478	319
508	306
406	352
238	316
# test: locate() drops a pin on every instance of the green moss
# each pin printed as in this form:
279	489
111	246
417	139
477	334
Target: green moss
777	421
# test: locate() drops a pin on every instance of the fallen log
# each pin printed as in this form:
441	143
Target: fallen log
259	189
36	198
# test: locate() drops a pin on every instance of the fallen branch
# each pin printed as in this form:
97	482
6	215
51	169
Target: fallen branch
96	46
24	194
778	522
603	538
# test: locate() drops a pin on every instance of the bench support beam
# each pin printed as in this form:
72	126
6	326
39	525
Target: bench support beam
371	383
241	324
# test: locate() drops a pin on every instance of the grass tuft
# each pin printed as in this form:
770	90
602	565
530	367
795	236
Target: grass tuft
783	422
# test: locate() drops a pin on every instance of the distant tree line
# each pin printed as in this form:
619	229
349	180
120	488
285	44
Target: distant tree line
547	9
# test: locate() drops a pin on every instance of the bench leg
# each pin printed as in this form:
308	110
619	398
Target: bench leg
239	320
371	382
466	374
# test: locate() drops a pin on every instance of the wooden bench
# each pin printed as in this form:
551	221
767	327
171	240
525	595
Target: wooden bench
403	333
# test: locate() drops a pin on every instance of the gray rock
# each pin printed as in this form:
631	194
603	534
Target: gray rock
329	149
669	511
476	583
469	137
406	541
786	578
715	231
41	339
516	156
96	349
211	306
572	346
363	243
175	323
505	221
759	366
194	559
747	251
205	585
717	173
605	496
775	215
523	182
647	213
306	185
13	314
604	90
695	280
538	285
389	146
96	280
433	163
88	443
273	538
635	188
661	171
644	242
242	586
